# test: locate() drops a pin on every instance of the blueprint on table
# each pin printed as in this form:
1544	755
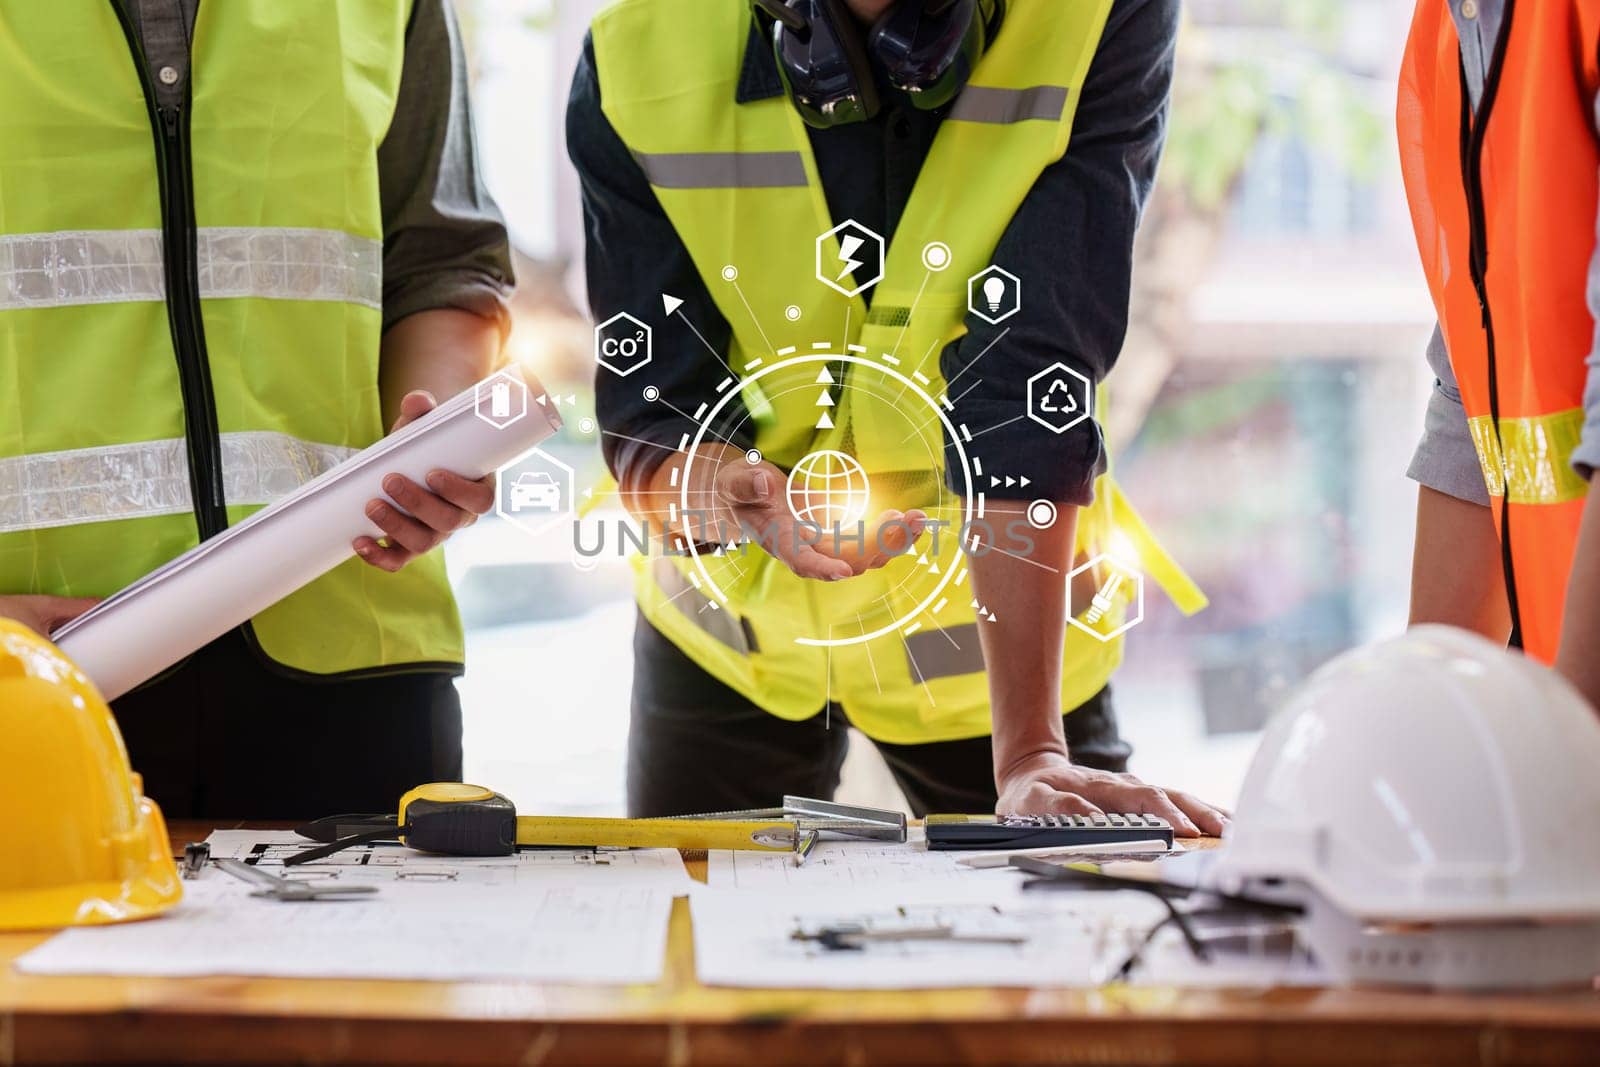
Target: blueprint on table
558	916
748	939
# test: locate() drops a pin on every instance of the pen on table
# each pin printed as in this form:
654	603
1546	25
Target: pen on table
808	841
991	860
195	855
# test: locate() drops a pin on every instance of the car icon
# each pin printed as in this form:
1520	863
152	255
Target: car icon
535	491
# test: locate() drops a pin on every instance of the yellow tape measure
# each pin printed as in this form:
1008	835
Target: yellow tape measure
454	819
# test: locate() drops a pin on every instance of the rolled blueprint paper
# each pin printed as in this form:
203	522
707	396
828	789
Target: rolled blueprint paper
201	595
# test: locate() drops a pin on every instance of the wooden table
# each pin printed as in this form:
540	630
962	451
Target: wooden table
680	1022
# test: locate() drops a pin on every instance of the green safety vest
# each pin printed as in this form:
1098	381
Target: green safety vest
741	187
165	377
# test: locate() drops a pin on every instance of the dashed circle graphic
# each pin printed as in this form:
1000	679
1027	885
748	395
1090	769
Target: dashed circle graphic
910	389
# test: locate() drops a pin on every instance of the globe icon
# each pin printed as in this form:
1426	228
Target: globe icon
829	489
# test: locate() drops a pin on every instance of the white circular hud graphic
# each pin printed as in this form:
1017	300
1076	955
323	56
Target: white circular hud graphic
1042	514
832	484
829	489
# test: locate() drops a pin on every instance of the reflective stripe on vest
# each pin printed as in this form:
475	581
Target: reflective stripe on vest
717	623
45	270
1538	456
723	170
136	481
944	653
779	170
981	103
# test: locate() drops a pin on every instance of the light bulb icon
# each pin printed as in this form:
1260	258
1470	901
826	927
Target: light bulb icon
994	291
994	294
1102	599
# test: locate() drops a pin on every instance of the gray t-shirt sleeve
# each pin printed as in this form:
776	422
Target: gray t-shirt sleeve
1446	460
444	241
1586	457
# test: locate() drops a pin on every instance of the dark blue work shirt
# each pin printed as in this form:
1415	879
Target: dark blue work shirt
1071	241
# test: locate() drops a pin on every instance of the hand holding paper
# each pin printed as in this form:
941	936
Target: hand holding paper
175	610
42	614
448	503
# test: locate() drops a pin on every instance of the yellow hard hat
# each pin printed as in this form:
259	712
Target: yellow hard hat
79	843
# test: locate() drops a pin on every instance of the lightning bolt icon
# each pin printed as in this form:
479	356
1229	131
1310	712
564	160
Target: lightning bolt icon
848	247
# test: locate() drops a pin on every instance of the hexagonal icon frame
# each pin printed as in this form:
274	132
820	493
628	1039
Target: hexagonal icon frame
569	490
1054	372
828	261
601	338
975	283
1127	571
487	392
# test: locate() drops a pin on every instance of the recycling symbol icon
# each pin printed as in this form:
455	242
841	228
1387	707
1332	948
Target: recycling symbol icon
1059	398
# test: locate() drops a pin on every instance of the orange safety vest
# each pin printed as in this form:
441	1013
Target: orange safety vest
1503	203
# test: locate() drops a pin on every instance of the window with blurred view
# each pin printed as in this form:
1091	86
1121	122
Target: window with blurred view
1261	416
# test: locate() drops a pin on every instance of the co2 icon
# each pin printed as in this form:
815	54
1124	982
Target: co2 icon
622	344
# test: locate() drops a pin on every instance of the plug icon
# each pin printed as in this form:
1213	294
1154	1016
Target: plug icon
1116	583
1102	599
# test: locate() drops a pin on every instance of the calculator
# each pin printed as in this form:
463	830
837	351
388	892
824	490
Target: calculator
997	832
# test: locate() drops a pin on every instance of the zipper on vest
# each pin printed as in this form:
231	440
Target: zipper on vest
1474	129
170	130
174	167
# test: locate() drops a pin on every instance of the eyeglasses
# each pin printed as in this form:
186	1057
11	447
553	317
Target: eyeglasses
1053	876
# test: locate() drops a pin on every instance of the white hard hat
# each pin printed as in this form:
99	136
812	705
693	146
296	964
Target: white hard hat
1434	784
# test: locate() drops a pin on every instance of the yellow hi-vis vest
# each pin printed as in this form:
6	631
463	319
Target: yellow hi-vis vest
190	305
740	185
